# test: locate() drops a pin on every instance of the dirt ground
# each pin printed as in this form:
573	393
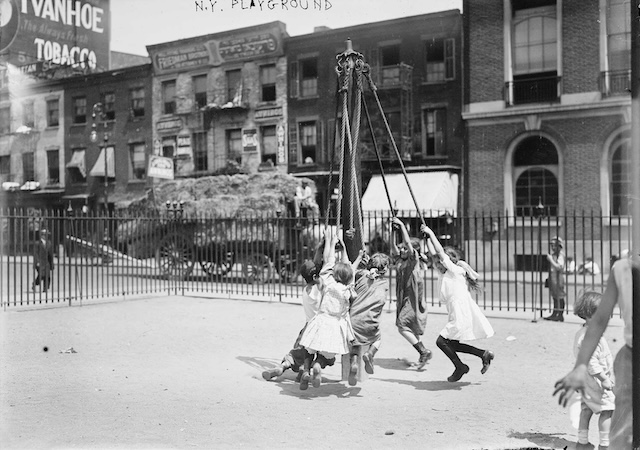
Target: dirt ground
182	373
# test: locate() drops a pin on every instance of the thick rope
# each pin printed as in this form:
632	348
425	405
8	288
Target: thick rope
332	155
395	147
345	122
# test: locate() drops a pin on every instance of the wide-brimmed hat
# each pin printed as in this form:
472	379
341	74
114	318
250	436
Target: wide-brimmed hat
557	240
44	231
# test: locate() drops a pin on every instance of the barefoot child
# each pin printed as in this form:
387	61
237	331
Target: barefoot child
600	369
372	290
411	309
329	333
465	322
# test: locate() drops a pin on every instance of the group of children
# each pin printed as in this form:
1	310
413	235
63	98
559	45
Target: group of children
343	302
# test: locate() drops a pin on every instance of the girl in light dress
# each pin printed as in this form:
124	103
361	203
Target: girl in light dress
329	333
465	322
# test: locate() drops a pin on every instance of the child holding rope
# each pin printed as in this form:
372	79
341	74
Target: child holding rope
329	333
371	290
465	320
411	309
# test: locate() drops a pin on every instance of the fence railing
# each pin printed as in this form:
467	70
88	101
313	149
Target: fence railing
259	255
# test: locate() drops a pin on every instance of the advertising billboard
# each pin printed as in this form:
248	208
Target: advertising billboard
38	35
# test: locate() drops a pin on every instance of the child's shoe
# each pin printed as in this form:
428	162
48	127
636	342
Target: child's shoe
304	380
487	356
272	373
299	376
425	356
367	358
587	446
316	375
457	374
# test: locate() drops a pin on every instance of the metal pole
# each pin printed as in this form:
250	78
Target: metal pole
635	208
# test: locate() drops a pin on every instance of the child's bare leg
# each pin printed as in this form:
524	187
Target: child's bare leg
279	370
425	354
583	427
304	379
369	354
604	426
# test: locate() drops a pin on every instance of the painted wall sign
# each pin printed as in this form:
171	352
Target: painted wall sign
73	33
268	113
169	125
160	167
184	141
282	150
215	52
250	140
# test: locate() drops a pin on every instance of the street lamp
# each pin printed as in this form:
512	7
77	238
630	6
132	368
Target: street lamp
539	213
98	112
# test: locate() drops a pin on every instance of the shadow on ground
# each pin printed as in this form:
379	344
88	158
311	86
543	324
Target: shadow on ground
544	440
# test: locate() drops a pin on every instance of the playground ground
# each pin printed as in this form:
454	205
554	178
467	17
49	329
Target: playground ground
185	372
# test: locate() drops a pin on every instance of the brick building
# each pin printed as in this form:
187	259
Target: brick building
547	108
416	67
220	100
121	140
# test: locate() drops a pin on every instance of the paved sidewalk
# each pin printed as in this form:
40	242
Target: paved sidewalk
184	372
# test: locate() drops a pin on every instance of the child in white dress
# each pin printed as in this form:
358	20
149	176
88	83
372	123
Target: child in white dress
600	369
465	322
329	333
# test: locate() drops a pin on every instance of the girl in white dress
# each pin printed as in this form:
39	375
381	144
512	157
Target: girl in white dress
329	333
466	321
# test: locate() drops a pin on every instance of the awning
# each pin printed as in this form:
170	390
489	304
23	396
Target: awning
436	193
98	167
77	161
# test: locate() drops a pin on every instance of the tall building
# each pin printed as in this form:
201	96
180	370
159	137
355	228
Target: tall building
219	100
547	106
415	65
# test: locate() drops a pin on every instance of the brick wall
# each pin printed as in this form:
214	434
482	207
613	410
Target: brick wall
580	46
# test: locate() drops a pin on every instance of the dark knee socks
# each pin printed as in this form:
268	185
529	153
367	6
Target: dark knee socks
446	347
465	348
420	347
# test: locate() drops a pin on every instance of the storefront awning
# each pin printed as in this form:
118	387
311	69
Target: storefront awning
77	161
98	167
436	193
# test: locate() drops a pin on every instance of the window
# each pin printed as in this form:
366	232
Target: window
200	154
28	119
53	167
440	60
76	167
169	147
535	40
390	61
5	166
618	35
108	100
309	77
169	97
79	110
434	126
28	172
535	165
621	178
234	145
308	142
5	120
200	91
234	86
137	102
138	159
268	82
269	144
53	113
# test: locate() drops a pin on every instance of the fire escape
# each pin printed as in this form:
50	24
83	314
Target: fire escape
395	88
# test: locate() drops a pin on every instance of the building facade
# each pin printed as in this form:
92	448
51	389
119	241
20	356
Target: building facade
547	109
219	101
416	69
107	128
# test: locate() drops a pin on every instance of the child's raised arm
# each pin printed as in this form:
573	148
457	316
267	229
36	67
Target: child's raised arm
432	241
403	229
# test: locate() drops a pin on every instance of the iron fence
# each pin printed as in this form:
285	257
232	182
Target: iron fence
171	253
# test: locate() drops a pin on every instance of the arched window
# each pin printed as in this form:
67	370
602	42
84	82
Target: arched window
535	168
620	176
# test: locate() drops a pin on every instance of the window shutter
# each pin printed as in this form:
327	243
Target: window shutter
449	59
321	146
293	143
294	82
